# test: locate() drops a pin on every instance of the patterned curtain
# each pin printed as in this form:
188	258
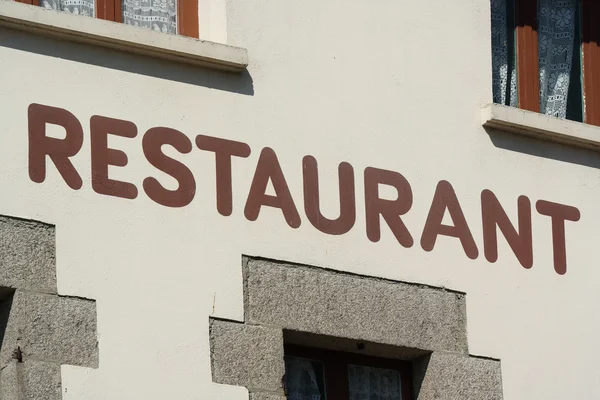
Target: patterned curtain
79	7
504	78
556	30
159	15
373	383
301	379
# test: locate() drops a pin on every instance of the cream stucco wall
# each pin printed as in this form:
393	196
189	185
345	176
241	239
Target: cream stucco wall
396	85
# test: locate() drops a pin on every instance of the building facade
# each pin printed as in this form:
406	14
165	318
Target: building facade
209	199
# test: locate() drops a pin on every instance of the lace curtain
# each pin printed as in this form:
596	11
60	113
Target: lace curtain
373	383
301	379
556	32
504	78
80	7
158	15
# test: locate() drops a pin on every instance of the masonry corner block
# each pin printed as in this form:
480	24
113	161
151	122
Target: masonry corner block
51	328
246	355
30	380
443	376
308	299
266	396
27	255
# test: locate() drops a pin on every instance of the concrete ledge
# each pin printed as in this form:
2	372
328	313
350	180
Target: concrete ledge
319	301
457	377
50	328
541	126
30	380
249	356
122	37
27	255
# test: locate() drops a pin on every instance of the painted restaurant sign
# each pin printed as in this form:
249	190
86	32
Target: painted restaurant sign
45	150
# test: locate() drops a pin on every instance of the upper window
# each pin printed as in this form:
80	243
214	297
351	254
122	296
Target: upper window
167	16
315	374
546	57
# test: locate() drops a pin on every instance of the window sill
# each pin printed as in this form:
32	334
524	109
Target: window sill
122	37
541	126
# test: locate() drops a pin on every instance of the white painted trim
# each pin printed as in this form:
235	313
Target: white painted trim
122	37
541	126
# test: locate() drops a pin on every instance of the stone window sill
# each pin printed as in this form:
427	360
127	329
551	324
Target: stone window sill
122	37
541	126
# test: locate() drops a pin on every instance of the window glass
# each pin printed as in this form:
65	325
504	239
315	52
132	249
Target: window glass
504	74
158	15
558	54
575	95
556	32
304	379
366	383
79	7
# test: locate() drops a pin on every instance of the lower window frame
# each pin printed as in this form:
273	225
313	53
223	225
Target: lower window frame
335	368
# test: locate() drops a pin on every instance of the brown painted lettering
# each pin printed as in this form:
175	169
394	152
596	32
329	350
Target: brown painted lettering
347	217
493	215
390	210
268	168
103	156
59	150
559	213
224	149
152	144
445	199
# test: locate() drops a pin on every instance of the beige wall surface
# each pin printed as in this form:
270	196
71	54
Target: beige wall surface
396	85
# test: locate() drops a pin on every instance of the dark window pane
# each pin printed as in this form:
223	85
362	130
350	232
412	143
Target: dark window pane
366	383
556	33
575	96
304	379
504	78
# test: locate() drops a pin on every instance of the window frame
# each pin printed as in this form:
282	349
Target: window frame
591	60
335	369
110	10
527	65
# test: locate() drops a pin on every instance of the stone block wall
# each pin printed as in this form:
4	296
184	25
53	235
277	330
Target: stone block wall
39	329
329	309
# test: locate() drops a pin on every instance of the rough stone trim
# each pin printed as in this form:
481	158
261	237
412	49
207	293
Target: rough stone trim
30	380
454	376
51	328
306	299
331	309
39	330
27	255
247	355
266	396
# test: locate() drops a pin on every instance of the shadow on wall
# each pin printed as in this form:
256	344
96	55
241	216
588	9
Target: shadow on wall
240	83
6	296
544	148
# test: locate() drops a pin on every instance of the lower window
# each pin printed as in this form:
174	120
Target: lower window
315	374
